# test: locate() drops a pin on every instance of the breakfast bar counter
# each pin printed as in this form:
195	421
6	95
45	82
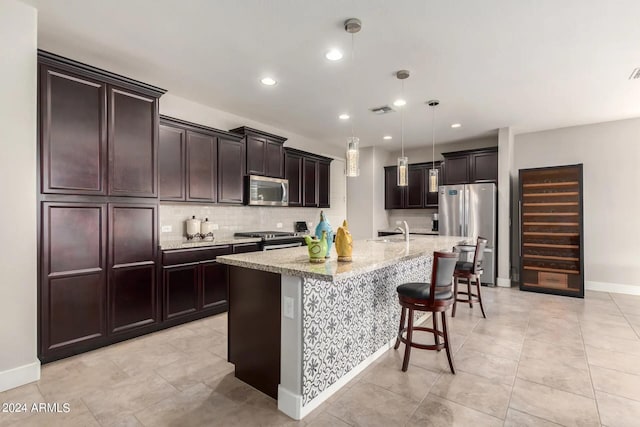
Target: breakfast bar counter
299	331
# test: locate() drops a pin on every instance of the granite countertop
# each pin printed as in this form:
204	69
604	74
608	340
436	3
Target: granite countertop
185	244
425	231
368	255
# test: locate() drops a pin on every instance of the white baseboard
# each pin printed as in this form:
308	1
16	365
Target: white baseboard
616	288
290	403
503	283
21	375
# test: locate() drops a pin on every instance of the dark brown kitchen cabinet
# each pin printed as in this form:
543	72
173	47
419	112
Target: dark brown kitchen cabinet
393	194
293	173
231	155
133	298
133	124
310	182
93	121
466	167
265	155
242	248
171	162
195	284
415	191
324	181
201	167
416	194
73	276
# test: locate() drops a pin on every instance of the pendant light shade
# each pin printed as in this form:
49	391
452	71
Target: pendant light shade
433	172
403	161
353	156
403	171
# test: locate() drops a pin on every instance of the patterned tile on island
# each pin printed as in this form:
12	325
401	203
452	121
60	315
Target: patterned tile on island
435	411
554	405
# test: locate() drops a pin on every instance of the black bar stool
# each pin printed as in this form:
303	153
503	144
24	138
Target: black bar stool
470	271
434	297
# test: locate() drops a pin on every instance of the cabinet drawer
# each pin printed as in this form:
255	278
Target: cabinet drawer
184	256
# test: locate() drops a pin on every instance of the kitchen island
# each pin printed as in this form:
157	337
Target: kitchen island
299	331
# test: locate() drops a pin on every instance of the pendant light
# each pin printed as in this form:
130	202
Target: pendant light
352	26
403	161
433	172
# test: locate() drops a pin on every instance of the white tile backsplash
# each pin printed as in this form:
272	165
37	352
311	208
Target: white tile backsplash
416	218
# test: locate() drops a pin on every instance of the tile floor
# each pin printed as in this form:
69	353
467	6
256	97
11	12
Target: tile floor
538	360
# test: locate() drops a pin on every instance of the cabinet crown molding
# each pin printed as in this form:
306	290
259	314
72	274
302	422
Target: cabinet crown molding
245	130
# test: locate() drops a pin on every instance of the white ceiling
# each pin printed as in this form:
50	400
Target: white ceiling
529	64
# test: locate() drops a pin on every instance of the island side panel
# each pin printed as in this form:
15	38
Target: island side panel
346	321
254	327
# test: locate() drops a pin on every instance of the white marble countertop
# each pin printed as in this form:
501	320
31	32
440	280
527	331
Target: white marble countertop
185	244
426	231
368	255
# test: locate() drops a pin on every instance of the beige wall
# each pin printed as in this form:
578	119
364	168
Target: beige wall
610	153
18	255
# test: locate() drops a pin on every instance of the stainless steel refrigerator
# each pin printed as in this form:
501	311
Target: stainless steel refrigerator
470	210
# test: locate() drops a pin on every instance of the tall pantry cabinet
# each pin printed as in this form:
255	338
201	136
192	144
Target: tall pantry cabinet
98	198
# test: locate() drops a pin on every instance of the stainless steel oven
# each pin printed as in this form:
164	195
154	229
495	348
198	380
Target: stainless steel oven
270	246
265	191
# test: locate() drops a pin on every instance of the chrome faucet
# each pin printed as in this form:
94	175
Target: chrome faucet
405	230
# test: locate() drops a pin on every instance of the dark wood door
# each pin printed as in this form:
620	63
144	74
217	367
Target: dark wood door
133	141
133	298
172	163
484	167
293	173
415	191
431	198
231	154
456	170
310	183
324	178
181	289
393	195
256	161
215	281
201	167
73	291
73	117
274	159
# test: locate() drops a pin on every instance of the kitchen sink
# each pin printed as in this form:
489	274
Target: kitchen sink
389	240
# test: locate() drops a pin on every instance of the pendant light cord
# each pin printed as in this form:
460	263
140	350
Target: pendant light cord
402	121
433	137
353	73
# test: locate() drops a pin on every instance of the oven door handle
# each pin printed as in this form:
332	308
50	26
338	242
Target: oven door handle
282	246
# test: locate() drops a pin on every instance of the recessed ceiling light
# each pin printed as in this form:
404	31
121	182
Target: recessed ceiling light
333	55
399	102
343	116
268	81
456	125
387	137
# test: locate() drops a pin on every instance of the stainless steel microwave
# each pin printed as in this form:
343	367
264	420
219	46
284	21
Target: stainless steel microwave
264	191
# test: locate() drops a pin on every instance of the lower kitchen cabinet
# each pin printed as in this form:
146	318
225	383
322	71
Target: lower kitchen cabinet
181	285
215	281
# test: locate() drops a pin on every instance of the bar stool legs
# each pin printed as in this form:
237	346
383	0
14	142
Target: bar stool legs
470	296
480	297
407	347
403	316
446	341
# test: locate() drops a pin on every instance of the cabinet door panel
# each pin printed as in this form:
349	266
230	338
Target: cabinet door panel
201	167
171	168
73	121
310	183
293	173
414	193
324	178
256	148
215	280
132	144
231	156
180	290
484	167
456	170
274	159
393	195
133	233
132	297
73	282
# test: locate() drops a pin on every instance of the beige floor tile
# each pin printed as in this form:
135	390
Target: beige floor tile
521	419
260	410
145	357
415	383
370	405
199	342
613	360
113	404
78	416
475	392
597	295
629	307
572	354
506	333
193	368
554	405
569	336
617	411
232	388
556	374
616	382
435	361
325	420
613	343
435	411
486	365
496	347
593	330
24	397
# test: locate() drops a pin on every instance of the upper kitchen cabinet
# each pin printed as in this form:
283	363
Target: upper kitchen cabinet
465	167
200	164
309	177
293	173
393	194
93	121
265	154
416	194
